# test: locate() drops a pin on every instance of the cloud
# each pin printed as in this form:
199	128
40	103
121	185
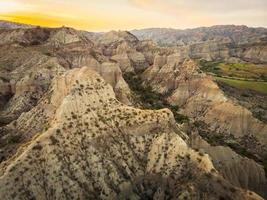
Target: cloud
202	6
142	2
129	14
209	12
13	5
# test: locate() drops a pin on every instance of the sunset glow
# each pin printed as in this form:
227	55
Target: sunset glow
101	15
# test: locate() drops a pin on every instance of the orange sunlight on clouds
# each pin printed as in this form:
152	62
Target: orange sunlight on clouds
104	15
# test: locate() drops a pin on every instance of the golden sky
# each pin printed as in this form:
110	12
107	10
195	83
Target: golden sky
103	15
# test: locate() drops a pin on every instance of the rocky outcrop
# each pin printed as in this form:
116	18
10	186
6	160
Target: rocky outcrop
213	43
25	75
13	25
77	56
112	74
96	147
39	36
66	128
122	47
225	33
124	62
27	71
199	97
114	37
240	171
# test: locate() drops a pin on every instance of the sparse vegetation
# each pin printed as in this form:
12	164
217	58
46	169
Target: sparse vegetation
46	126
38	147
13	139
150	99
264	163
54	141
217	139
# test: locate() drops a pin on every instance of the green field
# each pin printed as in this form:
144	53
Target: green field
235	70
252	85
239	75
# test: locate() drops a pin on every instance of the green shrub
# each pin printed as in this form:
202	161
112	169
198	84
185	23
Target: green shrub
13	139
46	126
37	147
54	141
200	124
179	118
151	99
264	163
245	95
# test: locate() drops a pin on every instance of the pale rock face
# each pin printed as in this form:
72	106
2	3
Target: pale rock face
170	73
27	69
97	147
110	71
175	59
10	36
28	81
116	37
27	74
162	67
201	87
124	62
112	74
64	37
209	51
240	171
84	60
256	54
122	47
159	61
200	98
238	121
138	60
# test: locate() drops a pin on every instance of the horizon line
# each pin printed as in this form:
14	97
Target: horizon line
134	29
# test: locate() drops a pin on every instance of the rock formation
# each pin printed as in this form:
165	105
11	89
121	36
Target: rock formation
96	147
240	171
199	97
13	25
213	43
69	128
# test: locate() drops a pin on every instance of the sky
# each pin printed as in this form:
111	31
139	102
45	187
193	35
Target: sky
104	15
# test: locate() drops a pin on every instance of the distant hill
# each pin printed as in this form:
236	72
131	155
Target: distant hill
173	37
13	25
